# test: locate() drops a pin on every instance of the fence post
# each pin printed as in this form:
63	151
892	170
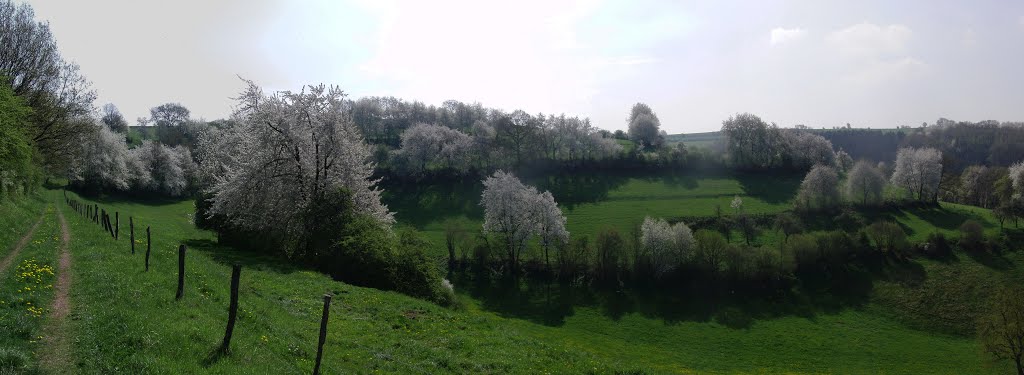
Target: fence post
323	334
181	272
131	232
236	273
117	224
148	242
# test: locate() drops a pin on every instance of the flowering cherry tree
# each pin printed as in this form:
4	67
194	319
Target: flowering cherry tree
287	151
517	212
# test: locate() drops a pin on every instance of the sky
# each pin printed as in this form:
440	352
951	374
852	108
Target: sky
817	63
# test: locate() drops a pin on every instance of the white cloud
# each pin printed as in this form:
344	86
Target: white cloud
870	40
782	35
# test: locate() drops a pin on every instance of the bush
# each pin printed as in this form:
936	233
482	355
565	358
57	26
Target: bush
802	252
849	220
610	249
349	246
888	237
936	246
739	262
972	236
835	248
999	243
711	250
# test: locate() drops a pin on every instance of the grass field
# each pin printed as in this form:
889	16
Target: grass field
126	321
591	201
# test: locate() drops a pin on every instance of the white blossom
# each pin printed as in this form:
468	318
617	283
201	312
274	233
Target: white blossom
103	160
819	189
285	153
865	183
919	171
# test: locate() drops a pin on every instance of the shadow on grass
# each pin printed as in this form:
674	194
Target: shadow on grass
990	260
229	256
949	219
214	356
737	306
125	198
774	188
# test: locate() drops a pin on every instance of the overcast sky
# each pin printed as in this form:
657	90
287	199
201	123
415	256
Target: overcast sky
818	63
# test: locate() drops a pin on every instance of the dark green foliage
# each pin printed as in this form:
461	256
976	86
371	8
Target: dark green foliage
849	220
17	172
574	258
888	237
836	248
972	236
788	224
937	246
348	246
802	252
748	227
610	248
724	225
711	250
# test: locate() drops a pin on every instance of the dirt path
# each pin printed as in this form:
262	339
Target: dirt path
6	262
55	356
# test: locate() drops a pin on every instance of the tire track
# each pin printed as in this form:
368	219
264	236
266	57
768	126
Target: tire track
56	351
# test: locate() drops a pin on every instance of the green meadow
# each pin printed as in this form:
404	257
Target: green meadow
912	319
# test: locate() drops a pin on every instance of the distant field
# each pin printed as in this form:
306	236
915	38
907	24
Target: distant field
592	201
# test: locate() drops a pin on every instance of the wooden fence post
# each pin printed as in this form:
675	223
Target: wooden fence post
131	232
117	224
148	242
96	214
236	273
103	219
323	334
181	272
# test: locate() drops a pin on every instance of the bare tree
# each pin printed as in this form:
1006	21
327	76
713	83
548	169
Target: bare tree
113	119
1001	328
60	97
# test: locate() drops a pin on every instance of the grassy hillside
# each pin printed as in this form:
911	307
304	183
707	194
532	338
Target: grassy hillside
126	320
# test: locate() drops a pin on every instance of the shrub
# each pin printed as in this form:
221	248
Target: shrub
802	251
711	249
972	236
999	243
768	264
888	237
835	248
849	220
936	246
610	249
739	262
